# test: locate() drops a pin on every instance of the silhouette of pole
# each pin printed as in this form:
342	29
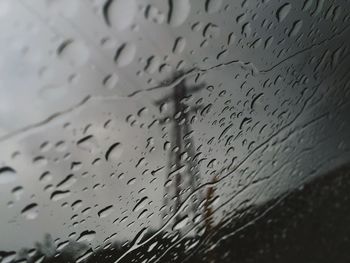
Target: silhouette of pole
181	128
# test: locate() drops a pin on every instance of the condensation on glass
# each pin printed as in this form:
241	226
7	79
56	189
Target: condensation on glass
137	131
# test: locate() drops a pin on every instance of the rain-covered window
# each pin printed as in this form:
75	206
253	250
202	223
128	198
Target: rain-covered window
174	131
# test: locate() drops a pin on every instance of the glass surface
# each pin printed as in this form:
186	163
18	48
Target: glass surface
174	131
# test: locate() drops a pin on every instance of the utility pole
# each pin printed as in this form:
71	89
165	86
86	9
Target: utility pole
183	172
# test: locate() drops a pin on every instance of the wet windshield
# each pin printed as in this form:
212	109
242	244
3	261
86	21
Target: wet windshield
171	131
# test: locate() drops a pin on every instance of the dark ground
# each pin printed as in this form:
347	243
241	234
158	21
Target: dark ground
311	224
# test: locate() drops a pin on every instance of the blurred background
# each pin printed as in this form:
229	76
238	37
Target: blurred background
174	131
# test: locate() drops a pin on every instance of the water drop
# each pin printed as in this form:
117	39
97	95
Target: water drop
212	6
246	29
40	161
58	195
7	175
76	205
87	236
17	192
152	64
131	181
105	211
180	223
178	12
283	11
179	45
231	38
75	166
114	152
39	260
140	204
75	53
46	177
125	54
211	31
119	13
31	211
295	28
9	257
88	143
62	245
67	182
307	4
110	81
152	246
84	256
142	214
